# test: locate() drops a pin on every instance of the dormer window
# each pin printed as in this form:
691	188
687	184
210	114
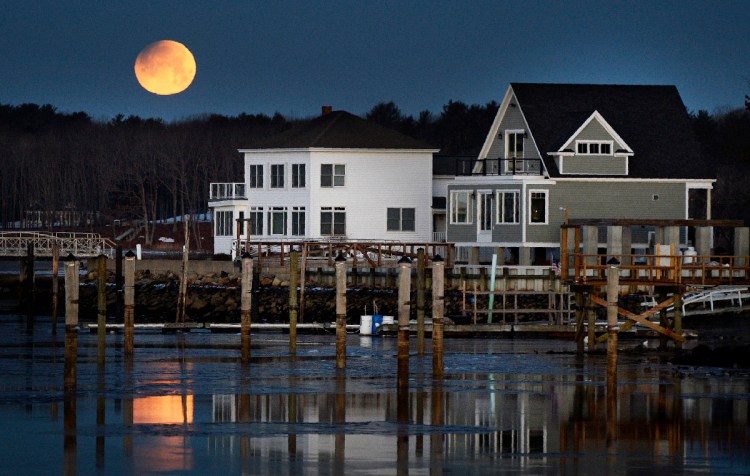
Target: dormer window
594	147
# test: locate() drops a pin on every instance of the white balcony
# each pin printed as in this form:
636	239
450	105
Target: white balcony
227	191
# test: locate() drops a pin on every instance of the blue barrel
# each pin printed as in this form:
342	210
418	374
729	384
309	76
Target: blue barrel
377	321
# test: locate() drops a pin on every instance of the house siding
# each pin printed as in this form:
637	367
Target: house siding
512	120
589	199
375	181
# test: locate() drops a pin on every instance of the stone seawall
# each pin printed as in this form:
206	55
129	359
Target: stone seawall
215	297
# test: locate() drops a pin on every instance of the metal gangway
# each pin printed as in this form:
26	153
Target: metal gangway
707	299
81	245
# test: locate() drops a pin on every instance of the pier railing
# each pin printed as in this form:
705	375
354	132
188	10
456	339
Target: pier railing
227	191
372	254
660	269
79	244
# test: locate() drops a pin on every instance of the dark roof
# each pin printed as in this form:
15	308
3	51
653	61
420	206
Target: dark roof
652	120
340	130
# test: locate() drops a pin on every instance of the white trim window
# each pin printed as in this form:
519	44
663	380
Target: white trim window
333	221
298	175
594	147
508	207
514	144
256	221
332	175
538	207
224	223
461	207
277	220
256	176
277	175
401	219
298	221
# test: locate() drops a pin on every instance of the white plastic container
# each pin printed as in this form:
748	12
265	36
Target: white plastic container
365	325
388	320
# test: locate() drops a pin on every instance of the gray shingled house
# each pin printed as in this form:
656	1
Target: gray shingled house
573	151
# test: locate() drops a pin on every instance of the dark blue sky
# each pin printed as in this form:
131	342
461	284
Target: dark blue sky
294	56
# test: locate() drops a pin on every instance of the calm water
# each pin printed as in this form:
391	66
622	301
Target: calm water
187	406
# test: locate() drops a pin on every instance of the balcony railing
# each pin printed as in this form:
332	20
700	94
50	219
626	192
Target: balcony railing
515	166
227	191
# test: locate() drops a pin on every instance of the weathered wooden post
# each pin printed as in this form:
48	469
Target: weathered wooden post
677	316
613	284
129	270
420	300
55	284
118	283
293	303
182	295
438	310
29	288
340	311
71	322
591	317
404	295
245	305
580	312
101	305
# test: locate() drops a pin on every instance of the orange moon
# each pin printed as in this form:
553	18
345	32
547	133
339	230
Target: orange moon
165	67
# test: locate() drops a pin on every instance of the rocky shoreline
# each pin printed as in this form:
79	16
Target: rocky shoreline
215	297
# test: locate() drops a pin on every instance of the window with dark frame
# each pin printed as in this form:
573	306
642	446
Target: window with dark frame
277	176
333	221
332	175
509	210
224	223
401	219
256	221
256	176
298	175
538	207
298	221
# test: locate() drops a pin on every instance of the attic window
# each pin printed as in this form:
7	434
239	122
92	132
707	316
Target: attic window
594	147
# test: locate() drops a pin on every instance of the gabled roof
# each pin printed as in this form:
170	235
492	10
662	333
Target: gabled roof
595	116
340	130
651	119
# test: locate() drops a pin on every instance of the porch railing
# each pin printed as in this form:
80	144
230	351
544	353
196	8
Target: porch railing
227	191
512	166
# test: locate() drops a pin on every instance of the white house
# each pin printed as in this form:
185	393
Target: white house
335	177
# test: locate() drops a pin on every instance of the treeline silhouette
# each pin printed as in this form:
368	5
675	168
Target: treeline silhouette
67	169
55	164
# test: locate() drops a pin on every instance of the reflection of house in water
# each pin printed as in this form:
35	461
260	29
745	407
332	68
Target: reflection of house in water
519	415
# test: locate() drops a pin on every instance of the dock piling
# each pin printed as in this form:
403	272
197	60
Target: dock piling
71	323
101	305
129	269
404	295
420	300
340	311
293	302
613	283
438	310
246	304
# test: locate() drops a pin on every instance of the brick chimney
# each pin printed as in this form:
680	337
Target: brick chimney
325	110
